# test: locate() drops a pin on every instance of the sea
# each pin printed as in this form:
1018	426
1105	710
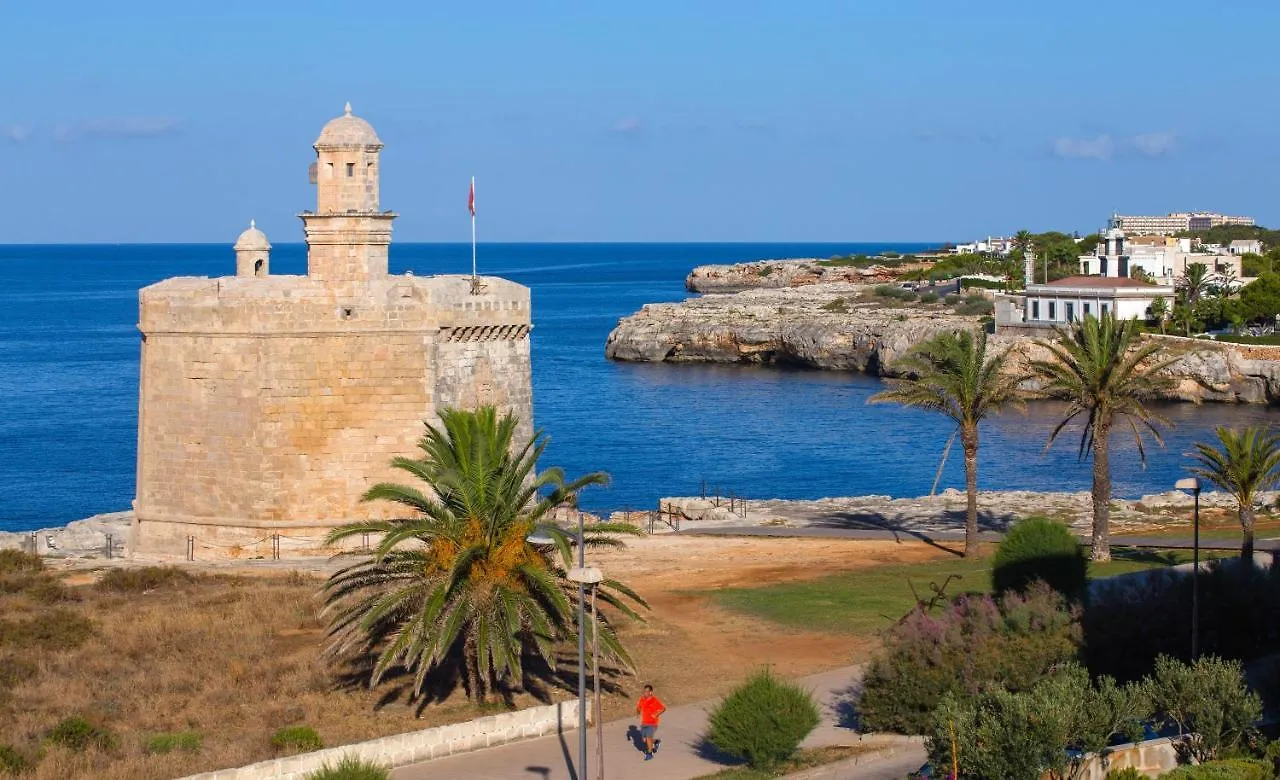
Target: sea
69	349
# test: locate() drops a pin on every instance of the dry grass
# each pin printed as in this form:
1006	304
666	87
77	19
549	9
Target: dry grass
232	659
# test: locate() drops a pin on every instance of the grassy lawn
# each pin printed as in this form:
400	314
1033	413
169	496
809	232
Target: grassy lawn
804	759
868	600
1215	529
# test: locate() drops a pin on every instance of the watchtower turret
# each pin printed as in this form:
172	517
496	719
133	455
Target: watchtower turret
253	252
347	236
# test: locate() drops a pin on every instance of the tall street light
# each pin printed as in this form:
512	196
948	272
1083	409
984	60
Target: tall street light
1192	485
584	576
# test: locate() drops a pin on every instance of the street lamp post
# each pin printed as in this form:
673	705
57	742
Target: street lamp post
1192	485
584	576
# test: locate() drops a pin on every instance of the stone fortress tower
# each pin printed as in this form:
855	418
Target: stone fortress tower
269	404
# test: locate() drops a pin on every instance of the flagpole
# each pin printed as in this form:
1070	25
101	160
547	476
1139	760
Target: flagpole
473	228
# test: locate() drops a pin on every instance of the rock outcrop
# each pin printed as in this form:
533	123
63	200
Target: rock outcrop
778	274
840	326
824	327
100	536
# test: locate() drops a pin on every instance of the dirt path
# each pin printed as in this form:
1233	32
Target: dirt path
692	649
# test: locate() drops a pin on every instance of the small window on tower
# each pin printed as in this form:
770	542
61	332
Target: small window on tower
351	170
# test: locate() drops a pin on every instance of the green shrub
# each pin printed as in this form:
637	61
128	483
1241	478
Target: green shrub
952	299
1050	728
974	642
78	734
838	306
763	721
1128	773
929	297
57	629
350	768
188	741
764	270
887	291
986	284
142	579
11	761
972	307
1230	769
296	739
1209	704
1038	548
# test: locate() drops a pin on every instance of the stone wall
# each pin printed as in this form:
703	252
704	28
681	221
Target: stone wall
417	746
1152	758
269	406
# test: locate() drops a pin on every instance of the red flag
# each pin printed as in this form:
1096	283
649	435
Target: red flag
471	198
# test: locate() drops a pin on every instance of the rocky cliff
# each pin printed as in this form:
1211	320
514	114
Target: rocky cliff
778	274
842	326
828	326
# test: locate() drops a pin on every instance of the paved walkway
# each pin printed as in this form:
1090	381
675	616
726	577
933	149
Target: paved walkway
680	756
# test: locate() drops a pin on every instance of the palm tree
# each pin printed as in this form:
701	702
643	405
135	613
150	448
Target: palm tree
474	579
1194	283
1103	372
1246	463
951	373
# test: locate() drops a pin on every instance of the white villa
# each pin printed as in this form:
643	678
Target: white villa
1104	287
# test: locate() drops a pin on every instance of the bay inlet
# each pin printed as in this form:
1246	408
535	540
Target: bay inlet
69	366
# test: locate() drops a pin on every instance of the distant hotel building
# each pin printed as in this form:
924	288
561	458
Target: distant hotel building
1175	223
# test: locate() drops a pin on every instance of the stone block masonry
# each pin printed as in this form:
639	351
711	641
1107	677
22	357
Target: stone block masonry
416	746
268	405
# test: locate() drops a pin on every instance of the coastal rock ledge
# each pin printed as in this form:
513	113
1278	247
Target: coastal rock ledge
840	327
822	328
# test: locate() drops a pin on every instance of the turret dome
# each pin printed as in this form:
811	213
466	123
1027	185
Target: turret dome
348	131
252	240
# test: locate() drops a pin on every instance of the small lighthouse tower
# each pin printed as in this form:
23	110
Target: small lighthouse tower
347	236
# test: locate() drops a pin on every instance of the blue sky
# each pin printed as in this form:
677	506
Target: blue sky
697	120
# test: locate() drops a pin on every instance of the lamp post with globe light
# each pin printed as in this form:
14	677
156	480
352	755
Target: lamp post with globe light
1192	485
584	576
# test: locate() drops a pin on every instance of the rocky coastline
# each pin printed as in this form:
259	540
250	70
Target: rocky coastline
101	536
780	274
843	326
941	513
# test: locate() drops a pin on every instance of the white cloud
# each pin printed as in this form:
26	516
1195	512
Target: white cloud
117	127
17	133
1157	144
1099	148
627	125
1162	143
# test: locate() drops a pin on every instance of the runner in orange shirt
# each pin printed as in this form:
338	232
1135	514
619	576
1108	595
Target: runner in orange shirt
650	709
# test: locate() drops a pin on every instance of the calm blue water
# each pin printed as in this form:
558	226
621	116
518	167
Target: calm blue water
69	365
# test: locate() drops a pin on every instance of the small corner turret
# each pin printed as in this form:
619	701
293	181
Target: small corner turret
253	252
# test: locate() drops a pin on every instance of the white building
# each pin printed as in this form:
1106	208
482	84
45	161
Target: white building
1165	260
1067	300
1243	247
1177	222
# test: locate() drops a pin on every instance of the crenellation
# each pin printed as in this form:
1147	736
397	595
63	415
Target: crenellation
270	403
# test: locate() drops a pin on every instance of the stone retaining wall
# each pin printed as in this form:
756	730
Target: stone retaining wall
1152	758
416	746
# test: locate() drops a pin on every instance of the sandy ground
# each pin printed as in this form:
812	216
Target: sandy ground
688	648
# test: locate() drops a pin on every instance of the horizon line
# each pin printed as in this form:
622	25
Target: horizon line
487	243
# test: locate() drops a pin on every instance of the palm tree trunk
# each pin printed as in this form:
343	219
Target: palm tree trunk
969	439
1246	527
1101	492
